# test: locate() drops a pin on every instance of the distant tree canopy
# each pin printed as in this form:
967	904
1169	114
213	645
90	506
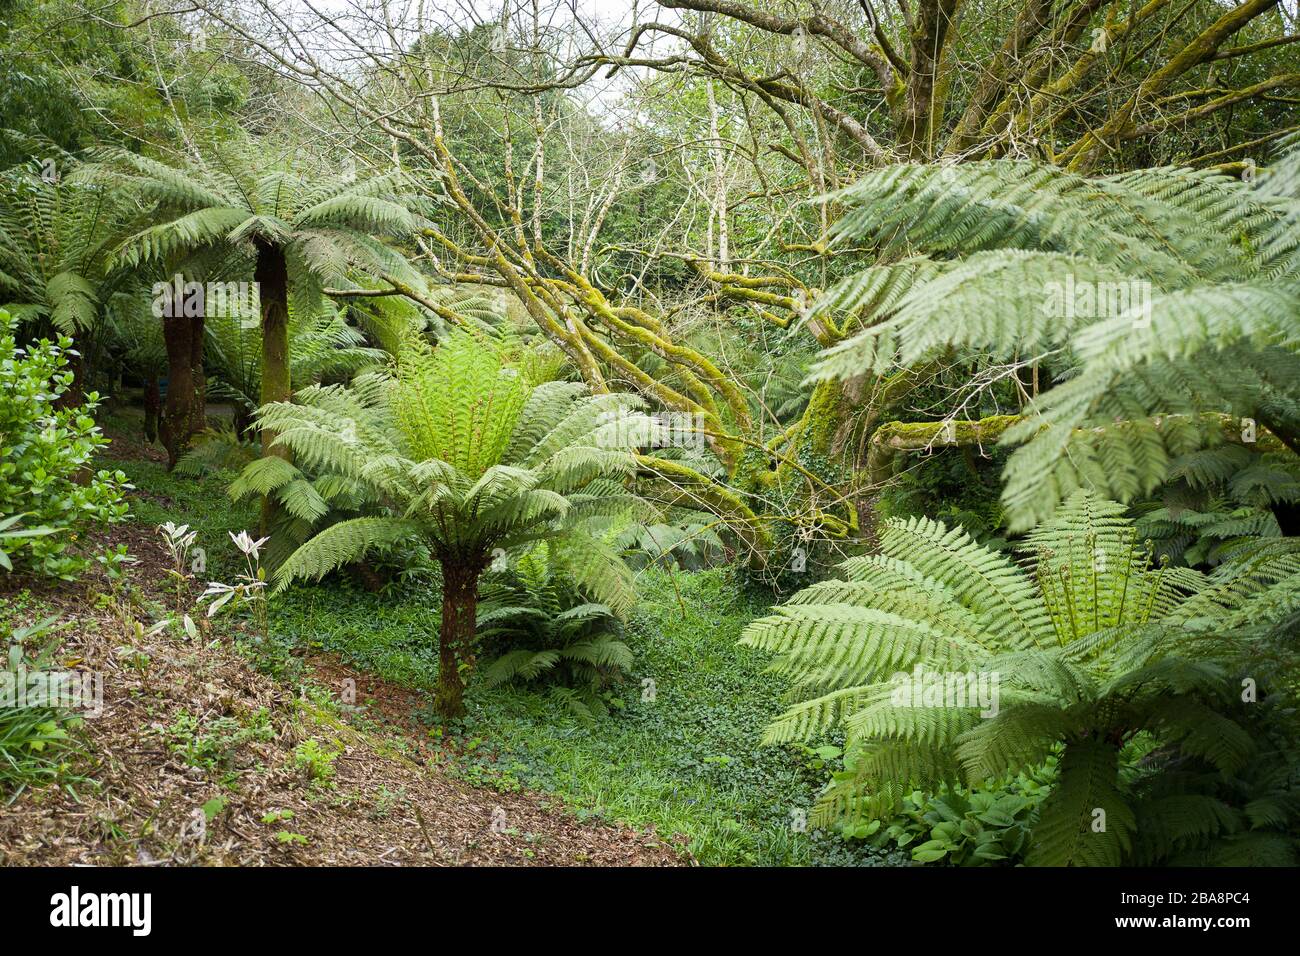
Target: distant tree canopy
656	197
1084	83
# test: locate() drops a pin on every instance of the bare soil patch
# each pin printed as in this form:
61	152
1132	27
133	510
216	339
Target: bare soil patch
188	722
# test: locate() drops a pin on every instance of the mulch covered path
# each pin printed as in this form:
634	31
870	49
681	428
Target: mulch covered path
139	802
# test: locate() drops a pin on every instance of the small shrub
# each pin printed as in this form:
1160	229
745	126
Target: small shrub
43	454
546	631
984	826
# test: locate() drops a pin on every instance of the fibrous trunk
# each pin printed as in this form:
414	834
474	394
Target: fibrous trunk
272	277
243	423
455	644
184	414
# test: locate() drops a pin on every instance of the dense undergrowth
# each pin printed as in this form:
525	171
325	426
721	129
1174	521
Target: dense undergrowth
679	749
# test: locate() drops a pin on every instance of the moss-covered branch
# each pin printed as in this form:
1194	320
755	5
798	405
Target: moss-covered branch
893	438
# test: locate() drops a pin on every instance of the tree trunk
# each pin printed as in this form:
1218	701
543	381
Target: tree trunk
243	421
272	277
455	643
184	414
75	396
152	406
926	85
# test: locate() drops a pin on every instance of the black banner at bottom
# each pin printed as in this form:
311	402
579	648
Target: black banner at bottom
194	907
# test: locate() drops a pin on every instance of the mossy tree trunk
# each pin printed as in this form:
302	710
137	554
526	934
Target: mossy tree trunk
183	414
456	640
272	277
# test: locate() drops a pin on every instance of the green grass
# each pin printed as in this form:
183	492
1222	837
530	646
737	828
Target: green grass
201	503
686	758
392	635
687	761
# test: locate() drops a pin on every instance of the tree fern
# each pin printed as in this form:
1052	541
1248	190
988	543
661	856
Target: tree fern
534	616
321	346
1081	643
283	221
1201	294
52	250
458	449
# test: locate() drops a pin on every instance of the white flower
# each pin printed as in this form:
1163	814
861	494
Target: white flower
178	536
214	588
246	544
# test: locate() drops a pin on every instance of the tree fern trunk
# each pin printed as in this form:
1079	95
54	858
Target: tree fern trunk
455	644
272	277
183	412
152	406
